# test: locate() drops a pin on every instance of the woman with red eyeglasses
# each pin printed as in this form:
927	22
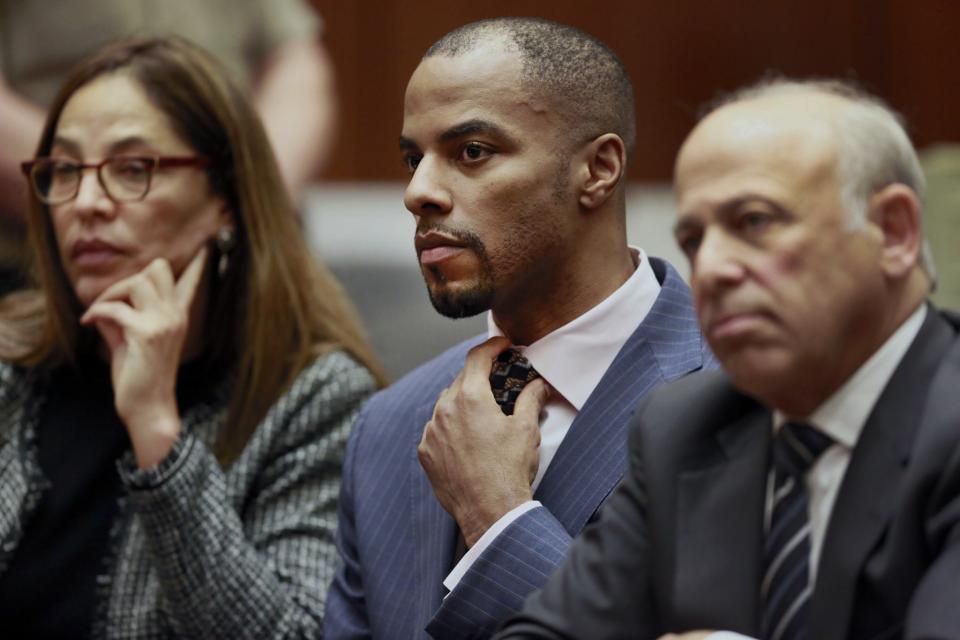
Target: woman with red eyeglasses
177	392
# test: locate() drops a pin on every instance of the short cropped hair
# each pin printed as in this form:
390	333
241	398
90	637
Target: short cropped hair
581	74
874	148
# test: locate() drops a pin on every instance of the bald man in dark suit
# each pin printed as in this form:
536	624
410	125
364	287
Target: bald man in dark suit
812	488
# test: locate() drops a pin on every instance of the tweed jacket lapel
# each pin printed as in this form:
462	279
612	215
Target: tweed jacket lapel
15	488
21	481
864	505
592	457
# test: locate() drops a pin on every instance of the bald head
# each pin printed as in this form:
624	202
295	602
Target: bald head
581	76
772	138
794	287
871	144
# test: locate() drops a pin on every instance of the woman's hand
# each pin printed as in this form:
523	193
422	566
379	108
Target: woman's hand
144	321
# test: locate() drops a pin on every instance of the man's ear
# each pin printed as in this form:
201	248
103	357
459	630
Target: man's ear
896	211
605	159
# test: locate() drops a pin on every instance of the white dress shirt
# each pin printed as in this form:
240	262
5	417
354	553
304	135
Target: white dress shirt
573	359
842	417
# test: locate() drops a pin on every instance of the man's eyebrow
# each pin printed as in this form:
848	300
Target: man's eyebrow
727	209
686	223
733	205
471	127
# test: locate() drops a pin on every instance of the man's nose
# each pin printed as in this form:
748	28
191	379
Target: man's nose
717	262
427	192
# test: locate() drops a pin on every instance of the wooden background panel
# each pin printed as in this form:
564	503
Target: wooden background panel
679	54
921	74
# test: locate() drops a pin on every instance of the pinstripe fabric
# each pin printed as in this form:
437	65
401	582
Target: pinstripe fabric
786	586
199	552
397	542
385	503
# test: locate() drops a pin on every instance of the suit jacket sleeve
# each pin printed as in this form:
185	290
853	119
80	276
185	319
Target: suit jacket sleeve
259	570
346	613
516	563
610	557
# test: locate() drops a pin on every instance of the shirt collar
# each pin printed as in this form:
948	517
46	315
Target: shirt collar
843	415
574	357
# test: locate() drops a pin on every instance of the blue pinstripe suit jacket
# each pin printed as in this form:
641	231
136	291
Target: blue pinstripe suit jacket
396	541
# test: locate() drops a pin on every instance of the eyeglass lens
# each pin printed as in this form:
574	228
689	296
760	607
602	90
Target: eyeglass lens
58	181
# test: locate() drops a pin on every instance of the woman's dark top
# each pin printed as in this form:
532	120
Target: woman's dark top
49	589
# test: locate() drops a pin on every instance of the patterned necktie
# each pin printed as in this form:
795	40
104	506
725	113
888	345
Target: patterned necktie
786	586
510	374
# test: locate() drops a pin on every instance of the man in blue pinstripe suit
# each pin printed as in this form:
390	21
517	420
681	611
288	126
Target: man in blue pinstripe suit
517	133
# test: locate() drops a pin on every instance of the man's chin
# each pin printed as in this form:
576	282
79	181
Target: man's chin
759	372
463	304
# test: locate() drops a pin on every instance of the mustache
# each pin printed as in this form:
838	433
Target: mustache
467	238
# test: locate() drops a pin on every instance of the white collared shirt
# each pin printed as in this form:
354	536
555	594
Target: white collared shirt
842	417
573	359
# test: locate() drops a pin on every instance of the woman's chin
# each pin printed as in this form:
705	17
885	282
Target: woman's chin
87	291
88	285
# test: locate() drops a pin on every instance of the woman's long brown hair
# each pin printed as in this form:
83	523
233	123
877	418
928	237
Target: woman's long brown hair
274	311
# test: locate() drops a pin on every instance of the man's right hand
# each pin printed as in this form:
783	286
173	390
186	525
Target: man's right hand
481	462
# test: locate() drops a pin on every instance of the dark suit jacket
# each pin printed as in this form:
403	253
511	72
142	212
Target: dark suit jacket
397	542
679	546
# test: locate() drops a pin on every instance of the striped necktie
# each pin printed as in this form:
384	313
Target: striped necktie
786	586
510	374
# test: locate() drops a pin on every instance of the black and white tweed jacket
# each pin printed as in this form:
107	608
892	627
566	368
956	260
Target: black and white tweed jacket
199	552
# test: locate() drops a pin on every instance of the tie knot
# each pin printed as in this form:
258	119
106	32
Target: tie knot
797	446
510	374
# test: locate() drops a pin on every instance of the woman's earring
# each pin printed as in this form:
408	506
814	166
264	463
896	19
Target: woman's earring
226	238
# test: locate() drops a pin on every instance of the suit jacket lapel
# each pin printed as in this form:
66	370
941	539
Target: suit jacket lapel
434	530
864	505
720	530
593	457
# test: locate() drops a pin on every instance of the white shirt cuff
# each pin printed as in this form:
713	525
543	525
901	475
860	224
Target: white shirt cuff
485	541
727	635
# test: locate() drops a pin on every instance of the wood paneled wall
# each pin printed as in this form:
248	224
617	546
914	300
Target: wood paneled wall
680	53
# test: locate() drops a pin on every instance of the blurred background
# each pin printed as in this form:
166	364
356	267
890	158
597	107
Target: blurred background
329	78
679	55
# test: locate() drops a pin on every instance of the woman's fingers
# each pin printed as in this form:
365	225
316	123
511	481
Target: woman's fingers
112	335
142	289
155	284
120	313
143	320
160	274
186	287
